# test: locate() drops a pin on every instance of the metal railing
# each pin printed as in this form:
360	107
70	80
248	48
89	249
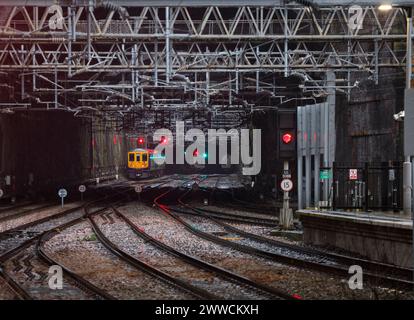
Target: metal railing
367	186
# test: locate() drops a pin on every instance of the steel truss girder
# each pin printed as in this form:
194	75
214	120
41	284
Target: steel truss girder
196	43
253	28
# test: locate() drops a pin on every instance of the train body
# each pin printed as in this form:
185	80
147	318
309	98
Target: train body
142	164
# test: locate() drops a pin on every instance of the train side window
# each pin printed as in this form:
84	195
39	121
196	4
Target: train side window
131	157
145	157
138	157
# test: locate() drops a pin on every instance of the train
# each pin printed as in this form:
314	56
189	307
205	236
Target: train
142	164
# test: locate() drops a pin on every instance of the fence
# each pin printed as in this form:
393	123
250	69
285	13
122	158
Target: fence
367	186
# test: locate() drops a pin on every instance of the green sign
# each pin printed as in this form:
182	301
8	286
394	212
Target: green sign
325	174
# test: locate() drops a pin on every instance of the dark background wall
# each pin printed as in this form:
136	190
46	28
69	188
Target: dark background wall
268	180
45	150
366	130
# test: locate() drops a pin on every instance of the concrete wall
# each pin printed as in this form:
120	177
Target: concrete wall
40	148
48	149
366	130
389	242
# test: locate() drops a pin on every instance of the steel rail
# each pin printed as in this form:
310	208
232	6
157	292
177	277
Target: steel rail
27	212
330	269
374	266
231	217
203	264
142	266
17	289
38	240
82	282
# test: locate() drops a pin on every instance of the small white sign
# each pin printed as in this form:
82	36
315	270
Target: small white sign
391	175
82	188
62	193
138	189
353	174
286	185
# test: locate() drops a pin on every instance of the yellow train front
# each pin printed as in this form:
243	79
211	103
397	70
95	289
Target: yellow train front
141	164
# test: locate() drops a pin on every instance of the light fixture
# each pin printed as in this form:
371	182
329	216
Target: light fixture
385	7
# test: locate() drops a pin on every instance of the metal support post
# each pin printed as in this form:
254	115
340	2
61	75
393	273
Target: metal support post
167	45
407	174
286	214
407	166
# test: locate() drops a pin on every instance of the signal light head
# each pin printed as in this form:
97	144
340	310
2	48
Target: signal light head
287	138
140	140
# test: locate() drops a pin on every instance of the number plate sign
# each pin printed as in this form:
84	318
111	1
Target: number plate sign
286	185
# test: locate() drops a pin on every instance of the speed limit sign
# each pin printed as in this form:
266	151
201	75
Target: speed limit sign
286	185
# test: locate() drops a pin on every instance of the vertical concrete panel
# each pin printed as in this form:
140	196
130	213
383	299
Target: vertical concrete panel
409	123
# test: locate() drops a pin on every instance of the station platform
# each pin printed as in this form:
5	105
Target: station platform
376	236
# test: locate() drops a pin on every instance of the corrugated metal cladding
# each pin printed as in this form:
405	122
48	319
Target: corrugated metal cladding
316	152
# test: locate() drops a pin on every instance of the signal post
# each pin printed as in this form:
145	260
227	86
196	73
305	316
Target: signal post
287	130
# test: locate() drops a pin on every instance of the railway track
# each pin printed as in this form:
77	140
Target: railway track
229	216
295	255
376	267
230	284
24	264
238	204
26	267
13	238
144	267
14	215
15	206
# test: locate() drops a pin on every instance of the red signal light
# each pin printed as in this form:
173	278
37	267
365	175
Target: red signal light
287	138
164	140
195	153
141	140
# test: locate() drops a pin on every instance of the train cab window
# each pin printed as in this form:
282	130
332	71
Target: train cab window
131	157
138	157
145	157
